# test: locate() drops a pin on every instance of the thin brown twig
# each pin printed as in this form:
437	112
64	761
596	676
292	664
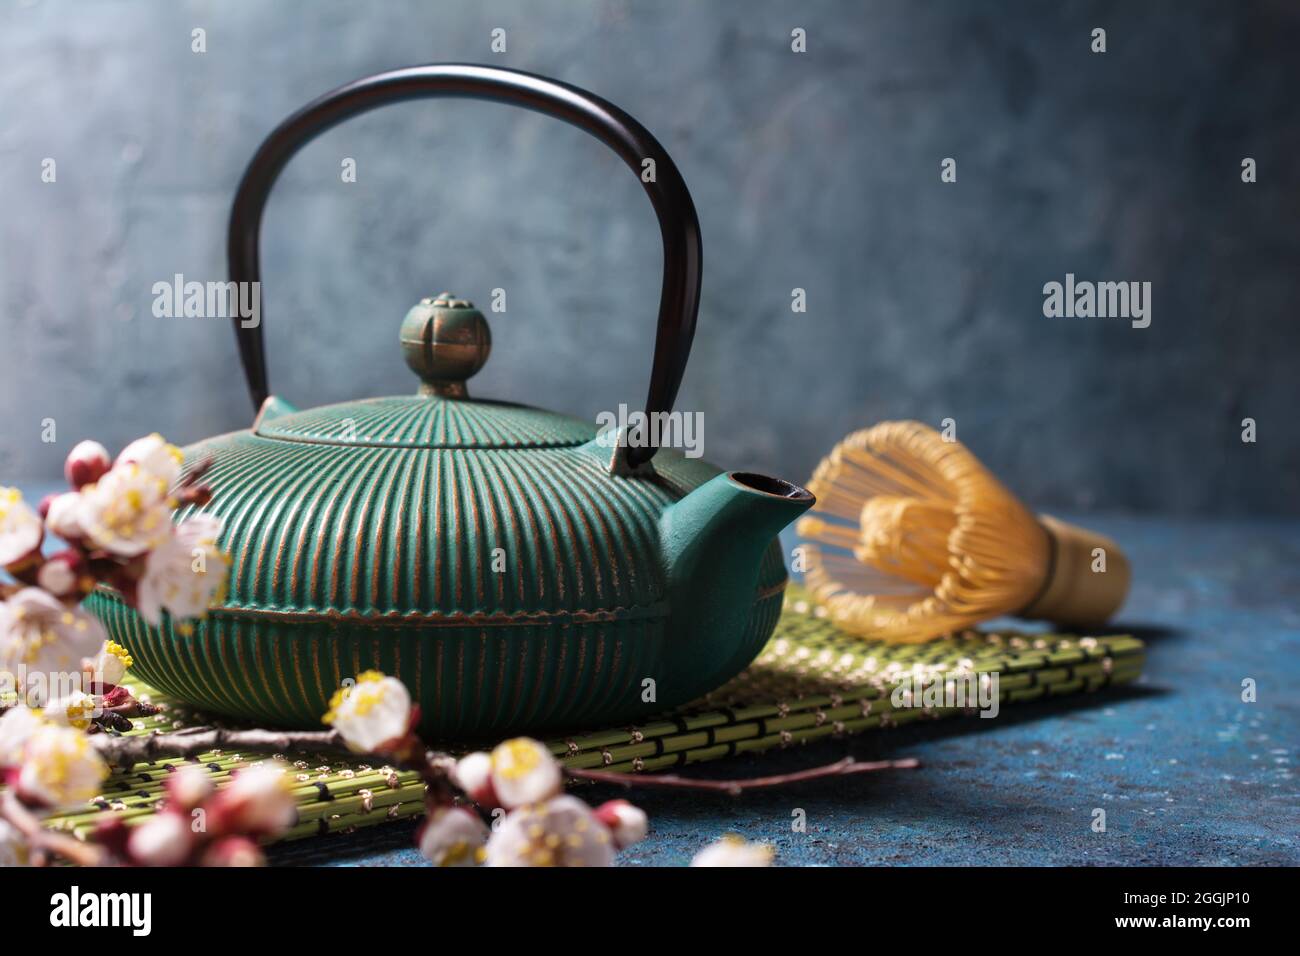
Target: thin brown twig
44	842
841	768
434	766
146	748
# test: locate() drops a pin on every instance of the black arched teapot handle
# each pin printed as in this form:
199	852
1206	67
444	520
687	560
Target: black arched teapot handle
680	295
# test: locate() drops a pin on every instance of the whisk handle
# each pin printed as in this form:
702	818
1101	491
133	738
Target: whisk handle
1087	577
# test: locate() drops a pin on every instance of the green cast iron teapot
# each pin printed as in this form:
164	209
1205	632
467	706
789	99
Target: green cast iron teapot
515	569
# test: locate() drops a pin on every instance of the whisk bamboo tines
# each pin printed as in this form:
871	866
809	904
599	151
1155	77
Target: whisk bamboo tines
912	538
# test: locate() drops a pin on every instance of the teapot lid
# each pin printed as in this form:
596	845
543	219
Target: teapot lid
445	341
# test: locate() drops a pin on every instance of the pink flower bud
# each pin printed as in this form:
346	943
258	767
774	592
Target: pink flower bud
233	851
627	824
62	515
164	840
86	464
188	787
474	775
118	696
65	575
258	801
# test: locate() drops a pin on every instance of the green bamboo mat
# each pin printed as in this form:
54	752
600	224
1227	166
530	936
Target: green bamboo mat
811	681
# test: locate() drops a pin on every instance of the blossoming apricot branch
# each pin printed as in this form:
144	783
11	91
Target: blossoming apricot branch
116	525
59	675
519	785
542	825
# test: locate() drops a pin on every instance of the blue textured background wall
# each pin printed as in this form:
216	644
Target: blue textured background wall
816	170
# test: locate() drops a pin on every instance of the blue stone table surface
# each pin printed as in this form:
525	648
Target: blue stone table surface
1186	771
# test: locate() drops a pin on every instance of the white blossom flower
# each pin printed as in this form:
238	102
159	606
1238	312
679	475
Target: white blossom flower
155	456
731	850
21	528
258	801
75	710
184	574
86	464
523	771
13	846
17	725
110	664
63	516
60	767
453	836
39	636
561	831
165	839
628	824
127	512
373	711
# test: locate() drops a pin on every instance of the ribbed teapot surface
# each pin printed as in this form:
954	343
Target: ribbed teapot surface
320	530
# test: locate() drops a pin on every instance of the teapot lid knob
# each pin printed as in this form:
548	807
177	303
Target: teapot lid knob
445	340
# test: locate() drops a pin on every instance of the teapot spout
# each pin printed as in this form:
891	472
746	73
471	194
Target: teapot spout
714	538
713	544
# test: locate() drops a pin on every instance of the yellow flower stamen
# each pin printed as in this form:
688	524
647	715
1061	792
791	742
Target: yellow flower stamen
114	649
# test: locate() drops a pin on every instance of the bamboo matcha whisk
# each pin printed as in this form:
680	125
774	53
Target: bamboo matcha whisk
912	537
